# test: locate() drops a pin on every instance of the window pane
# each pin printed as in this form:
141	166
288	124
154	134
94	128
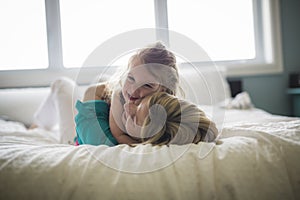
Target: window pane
224	29
23	35
86	24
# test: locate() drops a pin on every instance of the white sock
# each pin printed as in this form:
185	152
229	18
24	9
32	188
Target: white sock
66	96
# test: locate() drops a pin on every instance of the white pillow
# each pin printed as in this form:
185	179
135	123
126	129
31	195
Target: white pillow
204	85
20	104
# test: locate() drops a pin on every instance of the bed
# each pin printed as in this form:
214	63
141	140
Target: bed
256	157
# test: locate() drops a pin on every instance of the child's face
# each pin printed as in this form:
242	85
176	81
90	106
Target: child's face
139	83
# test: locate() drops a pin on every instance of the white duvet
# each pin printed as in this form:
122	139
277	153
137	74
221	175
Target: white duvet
257	157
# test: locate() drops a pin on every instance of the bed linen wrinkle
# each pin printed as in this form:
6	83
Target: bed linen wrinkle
251	173
288	162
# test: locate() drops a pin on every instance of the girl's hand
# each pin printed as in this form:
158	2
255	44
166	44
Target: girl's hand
136	102
130	109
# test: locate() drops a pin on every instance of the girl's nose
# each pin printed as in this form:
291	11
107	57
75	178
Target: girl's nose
134	90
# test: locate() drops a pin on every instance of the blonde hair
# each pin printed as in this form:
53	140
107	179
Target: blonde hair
157	53
154	53
181	115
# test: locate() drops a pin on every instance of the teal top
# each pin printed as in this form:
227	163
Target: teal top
92	123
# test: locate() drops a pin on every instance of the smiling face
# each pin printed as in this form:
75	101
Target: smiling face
139	82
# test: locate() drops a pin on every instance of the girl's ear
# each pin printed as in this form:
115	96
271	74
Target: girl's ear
163	89
167	90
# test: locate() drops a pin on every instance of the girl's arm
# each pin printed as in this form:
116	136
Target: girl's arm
116	124
92	126
95	92
118	134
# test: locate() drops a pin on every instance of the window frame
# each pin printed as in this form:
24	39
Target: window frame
267	44
268	48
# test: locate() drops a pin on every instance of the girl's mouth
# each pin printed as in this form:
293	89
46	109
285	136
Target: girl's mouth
131	98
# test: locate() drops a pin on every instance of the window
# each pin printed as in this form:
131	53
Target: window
224	29
243	36
87	24
23	35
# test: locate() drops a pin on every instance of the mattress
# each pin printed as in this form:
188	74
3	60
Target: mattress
255	157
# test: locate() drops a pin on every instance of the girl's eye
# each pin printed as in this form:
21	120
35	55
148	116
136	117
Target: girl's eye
148	86
152	86
130	79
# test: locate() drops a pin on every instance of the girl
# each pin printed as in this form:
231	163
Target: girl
141	80
164	119
152	69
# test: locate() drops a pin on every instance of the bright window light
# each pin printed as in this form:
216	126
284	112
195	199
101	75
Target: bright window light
87	24
224	29
23	35
244	36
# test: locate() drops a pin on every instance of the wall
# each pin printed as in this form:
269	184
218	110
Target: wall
269	92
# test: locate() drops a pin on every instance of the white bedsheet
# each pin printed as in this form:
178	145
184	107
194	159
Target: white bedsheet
257	157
